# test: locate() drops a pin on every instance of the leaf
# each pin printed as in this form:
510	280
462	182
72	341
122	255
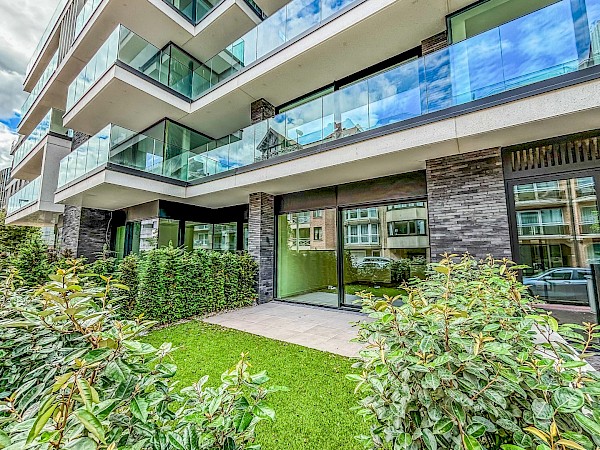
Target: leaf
470	443
263	411
403	440
443	426
429	439
430	381
244	421
568	400
569	444
541	410
539	433
459	412
84	443
41	421
88	394
61	381
96	355
91	423
511	447
139	408
4	439
588	424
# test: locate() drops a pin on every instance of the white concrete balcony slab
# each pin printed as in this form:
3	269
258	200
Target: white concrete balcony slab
158	23
34	204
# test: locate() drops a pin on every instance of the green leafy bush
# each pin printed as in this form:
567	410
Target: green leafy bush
175	284
32	261
72	376
128	274
466	363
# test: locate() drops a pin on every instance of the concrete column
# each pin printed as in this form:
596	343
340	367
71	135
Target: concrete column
261	110
85	231
467	205
261	241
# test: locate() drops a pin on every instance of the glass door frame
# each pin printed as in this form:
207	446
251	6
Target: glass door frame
339	247
552	175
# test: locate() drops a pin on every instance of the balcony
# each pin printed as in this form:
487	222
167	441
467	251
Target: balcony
29	194
27	157
95	22
544	230
39	86
45	48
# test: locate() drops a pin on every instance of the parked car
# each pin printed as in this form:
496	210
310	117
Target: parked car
560	285
374	262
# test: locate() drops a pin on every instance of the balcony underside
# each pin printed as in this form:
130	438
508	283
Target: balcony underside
110	190
31	166
158	23
37	214
122	97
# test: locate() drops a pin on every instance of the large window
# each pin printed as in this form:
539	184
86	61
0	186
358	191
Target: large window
307	268
362	234
408	228
490	14
206	236
558	243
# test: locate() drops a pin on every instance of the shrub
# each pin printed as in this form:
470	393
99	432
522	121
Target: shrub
105	263
128	274
32	261
175	284
467	363
74	377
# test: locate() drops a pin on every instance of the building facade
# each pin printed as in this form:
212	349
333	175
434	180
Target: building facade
344	144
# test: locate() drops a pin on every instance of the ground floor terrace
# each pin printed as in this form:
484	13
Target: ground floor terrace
535	203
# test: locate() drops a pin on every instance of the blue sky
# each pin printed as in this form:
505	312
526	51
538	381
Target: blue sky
22	23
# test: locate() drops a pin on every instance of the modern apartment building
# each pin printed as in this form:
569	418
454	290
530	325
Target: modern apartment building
343	143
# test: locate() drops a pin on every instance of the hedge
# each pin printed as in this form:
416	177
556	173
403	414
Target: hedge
169	284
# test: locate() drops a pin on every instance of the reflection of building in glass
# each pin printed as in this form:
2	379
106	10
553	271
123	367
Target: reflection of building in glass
312	230
557	224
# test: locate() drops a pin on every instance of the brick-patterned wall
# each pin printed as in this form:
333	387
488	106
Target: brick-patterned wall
79	139
467	205
70	230
261	241
434	43
261	110
84	231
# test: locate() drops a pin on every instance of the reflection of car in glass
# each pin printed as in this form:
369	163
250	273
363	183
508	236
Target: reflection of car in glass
560	285
374	262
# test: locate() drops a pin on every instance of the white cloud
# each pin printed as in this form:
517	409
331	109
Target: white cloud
22	24
7	137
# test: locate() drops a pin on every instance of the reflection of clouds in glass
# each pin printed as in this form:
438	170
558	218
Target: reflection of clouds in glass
301	15
538	41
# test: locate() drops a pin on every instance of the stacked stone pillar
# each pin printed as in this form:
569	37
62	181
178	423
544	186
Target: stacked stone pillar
261	241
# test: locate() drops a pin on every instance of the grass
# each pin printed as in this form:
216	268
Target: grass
314	414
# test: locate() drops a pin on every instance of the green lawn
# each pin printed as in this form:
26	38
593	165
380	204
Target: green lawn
315	413
377	292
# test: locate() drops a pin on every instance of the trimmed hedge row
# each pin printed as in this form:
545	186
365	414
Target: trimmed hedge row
169	284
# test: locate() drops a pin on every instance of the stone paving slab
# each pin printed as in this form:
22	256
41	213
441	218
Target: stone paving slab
314	327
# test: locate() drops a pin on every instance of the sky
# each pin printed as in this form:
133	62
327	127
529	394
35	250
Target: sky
22	24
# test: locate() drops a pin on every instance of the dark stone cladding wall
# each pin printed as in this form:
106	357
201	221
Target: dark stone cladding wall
261	110
434	43
467	205
79	139
261	241
85	231
70	230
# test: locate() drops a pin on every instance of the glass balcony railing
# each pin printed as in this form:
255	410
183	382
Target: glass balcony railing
40	85
25	197
84	15
496	61
544	230
51	123
44	38
174	69
169	66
